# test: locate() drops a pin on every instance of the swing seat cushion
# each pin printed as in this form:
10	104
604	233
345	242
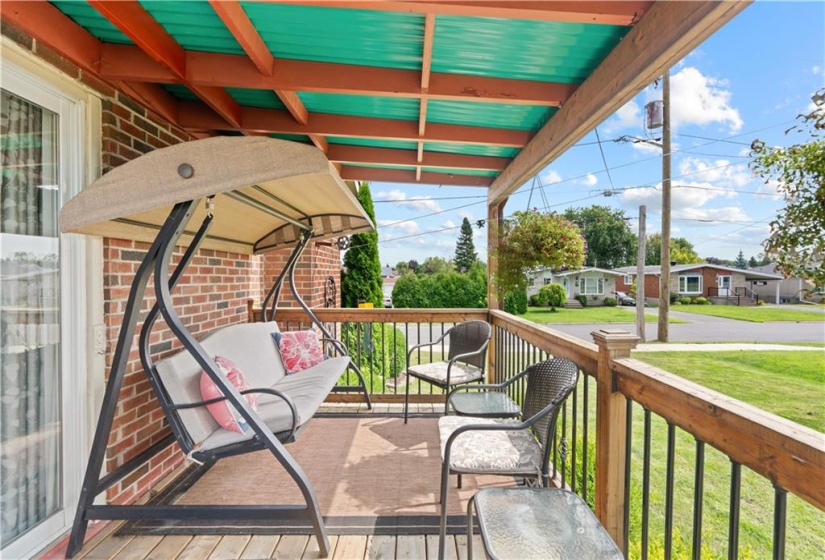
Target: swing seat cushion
249	346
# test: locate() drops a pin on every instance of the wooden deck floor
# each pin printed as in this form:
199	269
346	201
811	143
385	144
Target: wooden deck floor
105	545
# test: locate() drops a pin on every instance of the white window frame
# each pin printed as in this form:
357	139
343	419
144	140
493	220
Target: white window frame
81	278
628	280
683	283
584	285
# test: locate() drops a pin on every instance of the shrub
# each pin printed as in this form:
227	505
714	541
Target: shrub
447	289
377	346
700	301
552	294
610	302
760	302
534	301
582	299
515	302
685	300
673	297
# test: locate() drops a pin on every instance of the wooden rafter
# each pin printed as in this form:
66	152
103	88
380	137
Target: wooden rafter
391	156
139	25
237	22
197	117
604	12
126	62
668	32
355	173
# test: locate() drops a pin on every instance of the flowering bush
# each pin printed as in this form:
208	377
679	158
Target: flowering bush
533	239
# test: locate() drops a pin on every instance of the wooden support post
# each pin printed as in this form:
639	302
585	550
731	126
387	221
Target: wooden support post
495	214
611	433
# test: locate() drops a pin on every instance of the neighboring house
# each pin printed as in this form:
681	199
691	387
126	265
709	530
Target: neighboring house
386	288
595	283
707	280
787	290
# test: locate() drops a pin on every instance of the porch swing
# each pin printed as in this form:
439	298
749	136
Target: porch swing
250	195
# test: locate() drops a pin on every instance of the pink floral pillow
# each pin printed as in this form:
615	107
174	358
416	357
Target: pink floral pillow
224	412
300	350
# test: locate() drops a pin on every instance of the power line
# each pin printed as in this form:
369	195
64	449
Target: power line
604	160
427	199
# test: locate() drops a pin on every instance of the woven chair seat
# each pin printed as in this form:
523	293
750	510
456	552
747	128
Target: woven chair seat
514	452
437	372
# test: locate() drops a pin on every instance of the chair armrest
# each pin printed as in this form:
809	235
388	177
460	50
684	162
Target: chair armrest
423	344
273	392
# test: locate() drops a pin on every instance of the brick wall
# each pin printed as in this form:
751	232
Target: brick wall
318	262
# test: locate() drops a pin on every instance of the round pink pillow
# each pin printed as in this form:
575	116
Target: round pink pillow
224	412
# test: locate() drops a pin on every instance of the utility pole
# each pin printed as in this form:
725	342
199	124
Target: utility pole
664	280
640	275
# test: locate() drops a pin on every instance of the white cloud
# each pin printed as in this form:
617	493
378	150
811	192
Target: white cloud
688	199
400	198
702	100
448	224
816	69
719	173
550	176
406	227
589	180
464	214
628	116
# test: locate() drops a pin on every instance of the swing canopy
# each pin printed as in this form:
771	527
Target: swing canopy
266	191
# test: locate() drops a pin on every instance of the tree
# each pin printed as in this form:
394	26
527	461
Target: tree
797	238
610	241
532	239
362	281
752	262
402	267
434	265
681	250
465	251
740	261
446	289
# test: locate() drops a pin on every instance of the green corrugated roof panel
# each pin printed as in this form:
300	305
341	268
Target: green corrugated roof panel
470	149
361	105
474	172
320	34
373	143
194	25
521	49
180	92
495	115
262	98
89	18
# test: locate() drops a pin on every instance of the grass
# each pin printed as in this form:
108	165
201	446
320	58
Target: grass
753	314
587	315
759	378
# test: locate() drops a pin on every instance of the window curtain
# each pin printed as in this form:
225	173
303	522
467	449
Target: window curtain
30	461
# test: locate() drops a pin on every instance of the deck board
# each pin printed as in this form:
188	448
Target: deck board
350	546
260	546
200	547
380	547
138	548
230	547
169	547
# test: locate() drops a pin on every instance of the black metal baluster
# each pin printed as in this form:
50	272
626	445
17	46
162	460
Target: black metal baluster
671	458
627	455
575	446
735	494
585	437
780	514
646	487
698	497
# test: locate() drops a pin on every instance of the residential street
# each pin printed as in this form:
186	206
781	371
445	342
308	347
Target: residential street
702	328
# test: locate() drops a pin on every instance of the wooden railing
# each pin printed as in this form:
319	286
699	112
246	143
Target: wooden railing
623	396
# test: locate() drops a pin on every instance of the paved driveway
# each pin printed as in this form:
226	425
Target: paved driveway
702	328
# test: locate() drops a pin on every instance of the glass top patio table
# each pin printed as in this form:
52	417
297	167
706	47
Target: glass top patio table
488	404
547	523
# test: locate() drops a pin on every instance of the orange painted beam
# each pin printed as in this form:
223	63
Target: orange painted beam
603	12
150	36
125	62
51	27
320	142
355	173
392	156
195	116
237	22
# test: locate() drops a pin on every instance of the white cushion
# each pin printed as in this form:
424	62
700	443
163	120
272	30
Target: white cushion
437	371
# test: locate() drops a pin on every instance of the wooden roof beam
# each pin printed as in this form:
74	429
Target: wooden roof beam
355	173
391	156
603	12
196	116
126	62
668	32
150	36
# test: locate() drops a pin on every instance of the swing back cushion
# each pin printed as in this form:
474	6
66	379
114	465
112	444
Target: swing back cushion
223	412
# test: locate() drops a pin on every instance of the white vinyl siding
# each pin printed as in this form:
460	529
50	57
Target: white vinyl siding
690	284
591	286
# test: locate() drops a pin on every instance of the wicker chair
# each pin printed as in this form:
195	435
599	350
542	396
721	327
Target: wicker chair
465	363
471	445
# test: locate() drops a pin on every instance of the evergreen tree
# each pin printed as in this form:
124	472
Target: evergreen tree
752	262
740	261
465	251
362	281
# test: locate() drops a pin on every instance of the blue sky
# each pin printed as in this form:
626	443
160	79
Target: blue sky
747	81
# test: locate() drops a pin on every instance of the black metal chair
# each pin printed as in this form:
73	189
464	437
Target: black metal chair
472	445
465	363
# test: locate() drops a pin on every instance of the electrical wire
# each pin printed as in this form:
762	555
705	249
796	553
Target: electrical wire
604	160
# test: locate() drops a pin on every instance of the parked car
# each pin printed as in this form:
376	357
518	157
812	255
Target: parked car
624	299
387	301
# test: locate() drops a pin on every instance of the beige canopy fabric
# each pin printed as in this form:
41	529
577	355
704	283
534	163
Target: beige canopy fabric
264	189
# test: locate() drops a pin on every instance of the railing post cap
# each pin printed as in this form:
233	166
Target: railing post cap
615	339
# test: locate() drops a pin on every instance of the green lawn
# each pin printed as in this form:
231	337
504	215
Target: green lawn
753	314
587	315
